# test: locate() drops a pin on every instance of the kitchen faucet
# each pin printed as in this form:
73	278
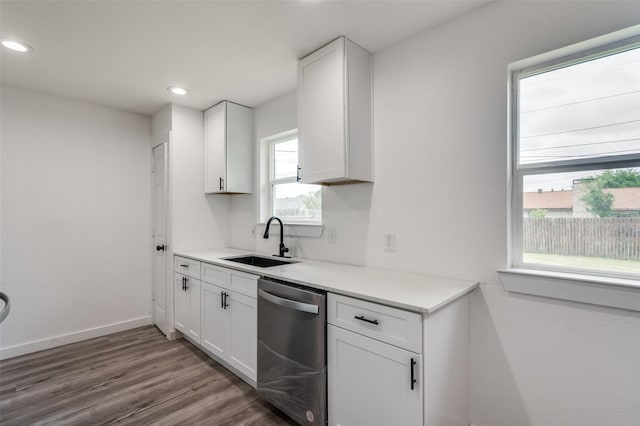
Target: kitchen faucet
283	249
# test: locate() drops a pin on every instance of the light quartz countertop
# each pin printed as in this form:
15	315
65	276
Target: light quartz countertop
411	291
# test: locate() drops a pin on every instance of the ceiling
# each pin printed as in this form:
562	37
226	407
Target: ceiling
126	53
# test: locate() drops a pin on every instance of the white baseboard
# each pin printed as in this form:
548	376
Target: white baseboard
65	339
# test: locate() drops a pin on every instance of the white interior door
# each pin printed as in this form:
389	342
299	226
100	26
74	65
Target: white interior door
159	178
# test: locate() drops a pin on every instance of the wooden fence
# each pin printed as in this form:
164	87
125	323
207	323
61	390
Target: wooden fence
614	238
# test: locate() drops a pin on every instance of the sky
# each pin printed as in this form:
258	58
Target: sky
286	155
580	111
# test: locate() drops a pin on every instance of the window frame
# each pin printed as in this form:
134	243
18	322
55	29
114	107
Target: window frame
517	172
272	181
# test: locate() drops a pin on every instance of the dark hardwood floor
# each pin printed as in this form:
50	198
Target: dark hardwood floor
135	377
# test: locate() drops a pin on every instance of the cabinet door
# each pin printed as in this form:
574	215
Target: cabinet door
244	334
370	381
181	304
215	148
215	321
321	109
239	148
193	293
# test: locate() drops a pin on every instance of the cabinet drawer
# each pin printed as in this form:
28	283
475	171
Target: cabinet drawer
395	326
244	283
187	267
214	274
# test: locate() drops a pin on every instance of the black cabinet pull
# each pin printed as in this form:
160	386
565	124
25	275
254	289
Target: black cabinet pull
221	184
362	318
413	379
161	248
226	304
184	283
184	265
298	174
222	299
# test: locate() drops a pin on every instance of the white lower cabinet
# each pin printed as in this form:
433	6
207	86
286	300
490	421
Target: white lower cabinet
229	318
244	334
187	306
371	382
218	312
215	321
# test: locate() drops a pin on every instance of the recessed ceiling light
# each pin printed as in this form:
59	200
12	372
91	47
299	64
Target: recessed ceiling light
176	90
17	46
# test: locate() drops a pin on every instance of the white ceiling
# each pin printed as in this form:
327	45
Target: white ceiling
125	53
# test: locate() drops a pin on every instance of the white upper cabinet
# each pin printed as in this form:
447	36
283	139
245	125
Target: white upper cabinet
335	114
228	141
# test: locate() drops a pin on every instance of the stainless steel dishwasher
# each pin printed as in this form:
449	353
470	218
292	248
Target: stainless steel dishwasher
292	354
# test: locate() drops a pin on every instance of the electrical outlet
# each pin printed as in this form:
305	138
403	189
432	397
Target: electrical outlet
331	235
390	242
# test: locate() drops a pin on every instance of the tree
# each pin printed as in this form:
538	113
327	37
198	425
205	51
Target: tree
626	178
538	213
312	200
597	201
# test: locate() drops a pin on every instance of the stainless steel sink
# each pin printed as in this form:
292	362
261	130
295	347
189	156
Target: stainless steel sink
259	261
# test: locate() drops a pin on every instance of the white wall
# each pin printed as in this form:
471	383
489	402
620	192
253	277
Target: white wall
161	123
440	120
194	220
197	220
75	219
346	208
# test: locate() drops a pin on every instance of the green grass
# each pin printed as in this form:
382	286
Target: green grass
583	262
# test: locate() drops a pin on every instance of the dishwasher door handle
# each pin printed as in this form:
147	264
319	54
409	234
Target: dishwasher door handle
288	303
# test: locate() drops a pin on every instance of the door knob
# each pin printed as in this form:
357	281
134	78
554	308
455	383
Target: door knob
160	248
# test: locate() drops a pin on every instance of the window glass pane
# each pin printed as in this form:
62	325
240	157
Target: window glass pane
285	157
587	220
585	110
297	202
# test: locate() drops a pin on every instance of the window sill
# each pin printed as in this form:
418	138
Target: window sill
313	230
613	292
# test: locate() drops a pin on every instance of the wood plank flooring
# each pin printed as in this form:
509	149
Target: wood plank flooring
135	377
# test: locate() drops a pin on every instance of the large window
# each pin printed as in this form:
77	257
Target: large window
576	163
290	200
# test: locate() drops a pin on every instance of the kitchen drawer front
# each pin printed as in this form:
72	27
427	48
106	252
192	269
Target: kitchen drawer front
214	274
395	326
188	267
244	283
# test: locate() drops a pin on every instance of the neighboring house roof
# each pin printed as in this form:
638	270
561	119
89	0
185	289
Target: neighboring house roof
623	199
548	200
